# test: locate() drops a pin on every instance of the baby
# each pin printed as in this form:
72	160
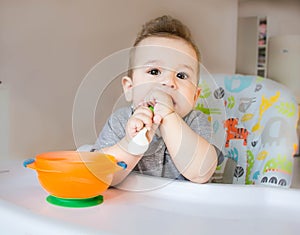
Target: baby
163	73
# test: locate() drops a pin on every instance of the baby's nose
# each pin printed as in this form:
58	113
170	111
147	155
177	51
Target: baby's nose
170	81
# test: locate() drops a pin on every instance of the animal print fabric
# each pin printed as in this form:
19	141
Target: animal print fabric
254	121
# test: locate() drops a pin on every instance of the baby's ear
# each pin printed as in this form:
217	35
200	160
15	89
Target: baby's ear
127	88
197	93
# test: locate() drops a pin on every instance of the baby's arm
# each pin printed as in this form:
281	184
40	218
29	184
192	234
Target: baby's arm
142	117
122	155
194	157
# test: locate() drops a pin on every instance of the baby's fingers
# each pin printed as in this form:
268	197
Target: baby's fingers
157	119
152	130
134	125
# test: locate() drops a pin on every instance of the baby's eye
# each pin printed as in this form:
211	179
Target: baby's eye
154	72
182	75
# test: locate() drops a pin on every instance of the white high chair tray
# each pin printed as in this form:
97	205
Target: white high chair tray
148	205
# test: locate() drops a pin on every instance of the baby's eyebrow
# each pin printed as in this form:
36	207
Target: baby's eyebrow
150	62
188	67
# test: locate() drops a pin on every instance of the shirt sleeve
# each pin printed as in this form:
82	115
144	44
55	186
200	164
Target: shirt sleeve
114	129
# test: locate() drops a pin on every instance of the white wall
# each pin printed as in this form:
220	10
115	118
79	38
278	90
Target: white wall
283	15
47	48
4	122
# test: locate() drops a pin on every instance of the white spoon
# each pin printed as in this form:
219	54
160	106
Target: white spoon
139	144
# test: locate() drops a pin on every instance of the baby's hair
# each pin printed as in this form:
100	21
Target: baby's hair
164	26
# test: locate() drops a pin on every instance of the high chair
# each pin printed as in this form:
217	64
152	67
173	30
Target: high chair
254	123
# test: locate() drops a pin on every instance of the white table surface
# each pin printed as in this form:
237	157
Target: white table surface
148	205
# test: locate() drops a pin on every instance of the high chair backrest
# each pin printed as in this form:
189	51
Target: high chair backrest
254	122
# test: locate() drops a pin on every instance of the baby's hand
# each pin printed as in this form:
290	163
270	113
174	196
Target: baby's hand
162	102
142	117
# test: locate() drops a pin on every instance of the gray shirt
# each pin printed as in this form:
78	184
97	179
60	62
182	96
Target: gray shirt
156	160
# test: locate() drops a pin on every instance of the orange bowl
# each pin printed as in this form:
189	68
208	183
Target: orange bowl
74	175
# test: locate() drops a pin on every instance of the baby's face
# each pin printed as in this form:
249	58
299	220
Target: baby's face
168	64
